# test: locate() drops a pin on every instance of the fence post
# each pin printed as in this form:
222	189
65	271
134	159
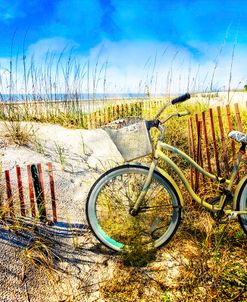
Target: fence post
238	118
192	148
94	120
113	112
52	188
229	118
39	190
190	142
127	109
214	142
206	141
9	193
20	190
109	114
122	110
31	192
104	119
117	112
197	178
222	136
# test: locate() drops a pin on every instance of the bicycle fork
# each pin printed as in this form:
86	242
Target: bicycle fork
134	211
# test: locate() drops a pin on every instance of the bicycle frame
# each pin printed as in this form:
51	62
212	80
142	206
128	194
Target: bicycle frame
159	154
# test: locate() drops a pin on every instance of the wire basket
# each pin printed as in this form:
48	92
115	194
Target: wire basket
131	137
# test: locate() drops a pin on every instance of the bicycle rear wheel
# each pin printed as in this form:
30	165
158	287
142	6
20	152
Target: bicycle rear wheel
242	206
114	194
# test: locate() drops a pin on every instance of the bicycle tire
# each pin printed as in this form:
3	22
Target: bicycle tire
115	190
242	206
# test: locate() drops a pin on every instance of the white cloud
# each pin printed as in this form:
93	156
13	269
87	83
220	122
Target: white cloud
54	45
163	67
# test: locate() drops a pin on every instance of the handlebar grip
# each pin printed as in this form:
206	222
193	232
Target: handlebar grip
181	98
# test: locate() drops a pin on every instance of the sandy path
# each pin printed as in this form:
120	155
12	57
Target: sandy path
78	158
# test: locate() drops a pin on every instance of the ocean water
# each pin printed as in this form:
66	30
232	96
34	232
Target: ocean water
72	96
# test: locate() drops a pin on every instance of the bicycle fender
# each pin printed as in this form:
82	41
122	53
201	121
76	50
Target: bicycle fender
168	177
238	190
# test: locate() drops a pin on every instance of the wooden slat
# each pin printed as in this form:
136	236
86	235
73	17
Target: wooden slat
222	138
192	147
40	175
20	190
104	122
216	156
113	113
31	192
52	188
238	118
117	112
90	121
9	193
198	131
126	109
197	178
109	114
190	142
122	110
94	120
229	119
206	142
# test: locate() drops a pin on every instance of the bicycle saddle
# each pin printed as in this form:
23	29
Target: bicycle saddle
238	136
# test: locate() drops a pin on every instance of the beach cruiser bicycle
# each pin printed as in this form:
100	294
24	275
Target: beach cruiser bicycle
136	201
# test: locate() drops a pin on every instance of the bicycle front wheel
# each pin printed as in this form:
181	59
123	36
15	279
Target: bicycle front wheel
115	193
242	206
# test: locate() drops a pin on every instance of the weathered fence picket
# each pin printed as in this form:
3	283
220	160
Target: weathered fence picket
222	138
216	156
52	189
215	141
36	190
238	118
229	119
20	190
206	142
31	191
9	193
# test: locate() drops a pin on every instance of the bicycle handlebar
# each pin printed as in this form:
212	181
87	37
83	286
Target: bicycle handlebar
184	113
181	99
156	123
177	100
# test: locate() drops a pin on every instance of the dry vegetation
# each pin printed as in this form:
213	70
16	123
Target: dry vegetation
205	261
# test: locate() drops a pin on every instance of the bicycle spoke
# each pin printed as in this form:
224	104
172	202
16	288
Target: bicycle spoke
118	195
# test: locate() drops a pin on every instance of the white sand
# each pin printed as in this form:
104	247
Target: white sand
84	155
78	158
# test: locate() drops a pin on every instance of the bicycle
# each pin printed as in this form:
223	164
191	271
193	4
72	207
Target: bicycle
137	201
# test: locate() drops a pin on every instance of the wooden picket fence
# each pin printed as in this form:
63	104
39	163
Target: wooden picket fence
110	113
17	206
208	143
85	114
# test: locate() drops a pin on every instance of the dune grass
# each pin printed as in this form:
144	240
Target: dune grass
205	261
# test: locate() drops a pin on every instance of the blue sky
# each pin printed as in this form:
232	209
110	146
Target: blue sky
166	45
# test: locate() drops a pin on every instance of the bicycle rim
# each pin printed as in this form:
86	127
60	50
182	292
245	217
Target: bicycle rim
111	199
242	206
